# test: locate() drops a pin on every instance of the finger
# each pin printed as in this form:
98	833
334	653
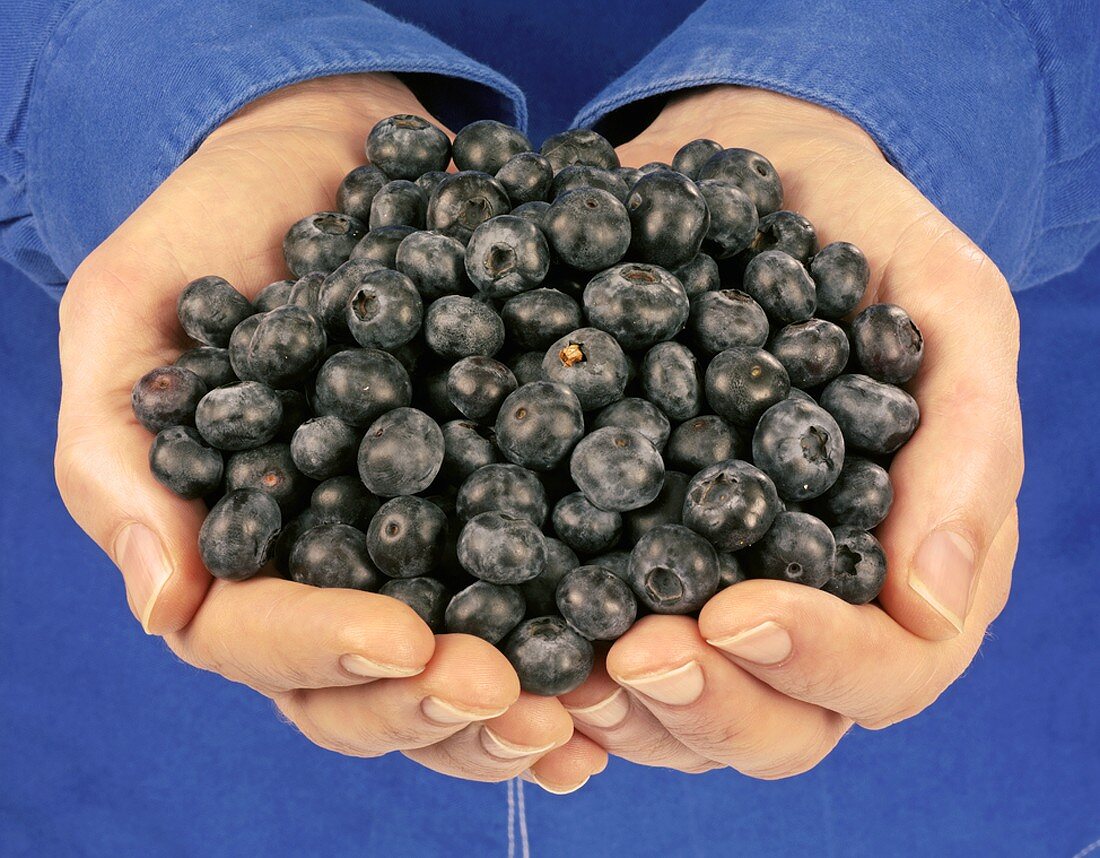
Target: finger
504	746
277	635
852	659
603	711
568	768
467	680
716	708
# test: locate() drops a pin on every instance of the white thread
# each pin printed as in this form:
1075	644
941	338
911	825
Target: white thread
522	820
1088	850
511	821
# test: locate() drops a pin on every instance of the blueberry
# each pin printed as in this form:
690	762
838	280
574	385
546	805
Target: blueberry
429	181
549	657
779	283
334	295
465	449
596	604
343	500
673	570
859	570
787	231
617	469
426	596
588	229
670	380
487	145
727	318
464	201
509	489
507	255
629	175
731	503
334	555
539	424
285	347
698	275
615	562
210	364
749	171
324	447
799	446
579	146
385	311
401	453
798	548
380	245
637	414
456	327
406	537
167	396
874	417
271	470
668	219
636	303
360	385
701	442
812	352
399	203
655	167
591	363
742	383
501	549
578	176
539	592
321	242
239	416
180	461
209	309
239	343
691	156
238	536
534	211
526	178
288	536
306	291
583	527
729	570
666	508
403	146
888	345
861	496
478	385
486	610
357	190
840	273
273	295
535	319
435	263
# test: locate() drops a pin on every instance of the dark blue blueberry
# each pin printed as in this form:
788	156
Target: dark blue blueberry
731	503
617	469
727	318
799	446
285	347
579	146
798	548
399	203
357	190
239	416
271	470
426	596
527	367
580	176
465	449
239	343
587	229
507	255
640	415
210	364
501	549
534	211
486	145
840	273
615	562
238	536
288	536
464	201
589	362
888	346
536	318
630	175
435	263
691	156
666	508
210	308
306	291
167	396
180	461
403	146
859	570
428	182
385	311
668	219
273	295
583	527
670	380
698	275
509	489
526	177
596	603
334	555
380	245
478	385
549	657
486	610
539	424
406	537
343	500
787	231
701	442
456	327
673	570
401	453
749	171
360	385
325	447
334	295
540	592
779	283
321	242
812	352
638	304
729	570
742	383
874	417
861	496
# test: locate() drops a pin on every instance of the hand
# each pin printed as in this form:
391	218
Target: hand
356	672
773	674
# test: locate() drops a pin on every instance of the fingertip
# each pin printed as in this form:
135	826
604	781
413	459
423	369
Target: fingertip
474	672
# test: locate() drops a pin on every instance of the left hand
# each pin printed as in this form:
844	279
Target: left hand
773	674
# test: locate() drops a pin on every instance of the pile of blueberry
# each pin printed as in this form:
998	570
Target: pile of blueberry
541	396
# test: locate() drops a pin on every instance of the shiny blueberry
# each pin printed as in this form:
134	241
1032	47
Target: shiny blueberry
638	304
456	327
325	447
701	442
812	352
380	245
285	347
668	219
321	242
787	231
583	527
840	273
210	308
799	445
673	570
859	570
477	386
435	263
486	145
334	555
399	203
428	597
357	190
509	489
727	318
343	500
798	548
271	470
742	383
385	311
873	416
401	453
780	284
404	146
466	448
501	549
549	657
526	177
698	275
731	503
535	319
617	469
861	496
238	536
406	537
239	416
181	461
588	229
591	363
888	346
273	295
539	424
507	255
670	379
464	201
749	171
167	396
691	156
488	611
579	146
596	603
641	415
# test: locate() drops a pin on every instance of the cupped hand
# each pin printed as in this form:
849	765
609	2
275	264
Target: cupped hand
356	672
773	674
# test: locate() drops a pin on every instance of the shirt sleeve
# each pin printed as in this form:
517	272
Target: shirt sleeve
101	99
990	107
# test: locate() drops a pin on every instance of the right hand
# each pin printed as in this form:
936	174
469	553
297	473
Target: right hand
356	672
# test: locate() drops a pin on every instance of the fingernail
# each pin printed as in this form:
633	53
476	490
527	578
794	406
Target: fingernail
610	712
145	568
443	712
357	665
529	776
677	687
943	574
767	643
502	749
